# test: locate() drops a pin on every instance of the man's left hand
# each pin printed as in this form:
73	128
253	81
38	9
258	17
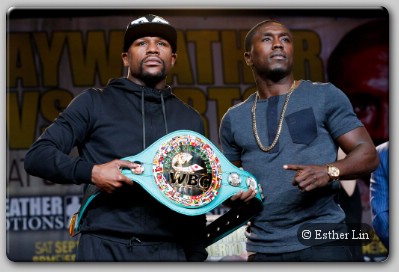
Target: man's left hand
308	177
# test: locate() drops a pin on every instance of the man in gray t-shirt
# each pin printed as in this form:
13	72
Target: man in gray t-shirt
287	134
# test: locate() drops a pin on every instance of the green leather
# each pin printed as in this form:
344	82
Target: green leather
155	157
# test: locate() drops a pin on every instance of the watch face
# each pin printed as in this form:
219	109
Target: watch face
333	171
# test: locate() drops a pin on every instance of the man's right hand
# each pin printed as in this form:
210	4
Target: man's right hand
244	196
108	177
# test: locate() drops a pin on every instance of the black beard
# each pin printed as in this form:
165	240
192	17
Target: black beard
152	80
276	74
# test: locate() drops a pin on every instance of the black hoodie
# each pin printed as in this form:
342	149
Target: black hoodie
115	122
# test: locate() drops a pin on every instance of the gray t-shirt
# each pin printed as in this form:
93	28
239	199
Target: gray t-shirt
316	115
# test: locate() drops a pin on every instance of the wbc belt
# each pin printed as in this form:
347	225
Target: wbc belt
184	171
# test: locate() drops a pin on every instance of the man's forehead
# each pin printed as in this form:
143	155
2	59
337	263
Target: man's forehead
274	27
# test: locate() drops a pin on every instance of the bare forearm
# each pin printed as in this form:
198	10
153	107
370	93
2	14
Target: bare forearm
361	161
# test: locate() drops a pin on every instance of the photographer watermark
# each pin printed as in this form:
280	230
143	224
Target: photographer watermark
339	234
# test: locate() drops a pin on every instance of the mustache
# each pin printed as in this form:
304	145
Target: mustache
152	58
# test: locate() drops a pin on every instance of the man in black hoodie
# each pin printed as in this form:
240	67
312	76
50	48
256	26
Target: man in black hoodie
124	222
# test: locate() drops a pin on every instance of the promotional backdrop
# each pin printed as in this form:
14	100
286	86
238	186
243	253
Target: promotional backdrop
55	54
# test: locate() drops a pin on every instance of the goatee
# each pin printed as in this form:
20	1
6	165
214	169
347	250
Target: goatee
277	74
150	79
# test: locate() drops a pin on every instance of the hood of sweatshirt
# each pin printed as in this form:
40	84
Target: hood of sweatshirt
150	94
145	94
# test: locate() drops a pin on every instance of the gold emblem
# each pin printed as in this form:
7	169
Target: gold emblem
187	171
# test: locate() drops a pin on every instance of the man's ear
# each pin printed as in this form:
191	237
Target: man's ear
248	59
174	58
125	59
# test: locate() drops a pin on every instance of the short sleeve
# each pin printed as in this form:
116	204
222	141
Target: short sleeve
340	115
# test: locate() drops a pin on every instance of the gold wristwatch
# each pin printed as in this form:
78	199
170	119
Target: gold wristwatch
333	172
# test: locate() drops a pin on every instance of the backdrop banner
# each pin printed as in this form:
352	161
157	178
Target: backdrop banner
55	54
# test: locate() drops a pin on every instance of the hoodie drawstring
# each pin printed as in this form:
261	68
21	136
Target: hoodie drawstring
143	116
164	114
131	243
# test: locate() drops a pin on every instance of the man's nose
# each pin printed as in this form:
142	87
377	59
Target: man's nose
152	47
277	44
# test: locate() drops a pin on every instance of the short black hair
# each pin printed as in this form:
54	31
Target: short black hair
252	31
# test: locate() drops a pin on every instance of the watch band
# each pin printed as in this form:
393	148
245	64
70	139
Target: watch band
186	172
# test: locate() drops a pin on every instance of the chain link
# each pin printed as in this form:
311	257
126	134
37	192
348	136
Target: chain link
280	123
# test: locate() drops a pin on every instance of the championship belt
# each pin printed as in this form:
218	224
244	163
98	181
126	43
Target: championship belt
184	171
187	173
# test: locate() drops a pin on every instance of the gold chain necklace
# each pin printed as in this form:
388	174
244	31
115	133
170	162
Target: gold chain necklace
280	123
